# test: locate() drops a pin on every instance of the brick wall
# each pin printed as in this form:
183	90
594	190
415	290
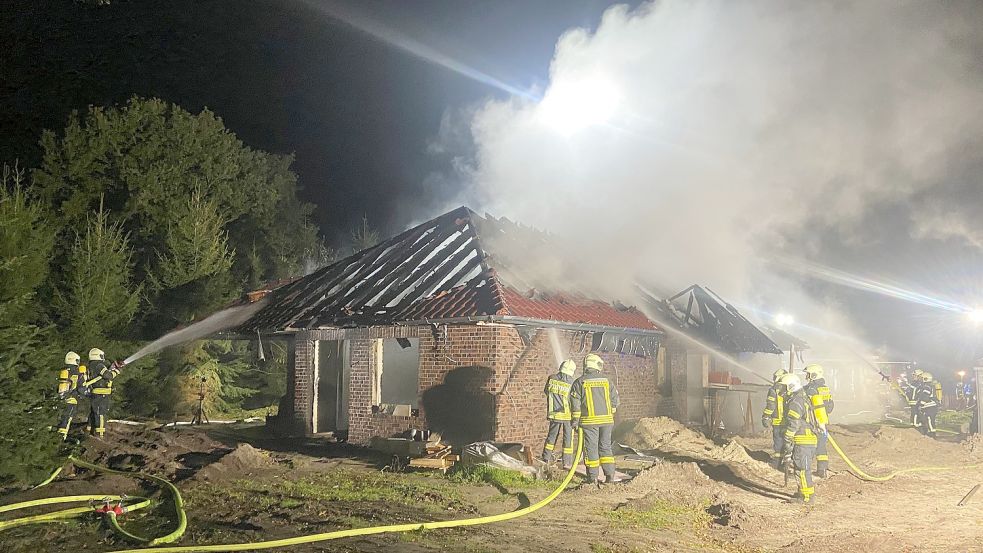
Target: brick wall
522	407
475	381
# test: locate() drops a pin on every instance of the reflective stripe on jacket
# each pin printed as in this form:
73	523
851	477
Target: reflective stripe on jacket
558	397
69	382
798	428
925	396
775	406
102	379
821	400
593	399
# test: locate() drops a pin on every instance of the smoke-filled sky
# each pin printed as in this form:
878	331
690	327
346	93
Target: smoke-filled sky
751	146
817	158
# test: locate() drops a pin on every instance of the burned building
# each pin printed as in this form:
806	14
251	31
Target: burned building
719	362
453	326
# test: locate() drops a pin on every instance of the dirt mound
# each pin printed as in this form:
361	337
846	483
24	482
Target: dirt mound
662	434
241	461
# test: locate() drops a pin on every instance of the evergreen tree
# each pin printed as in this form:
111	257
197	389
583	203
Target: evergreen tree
28	358
98	299
364	236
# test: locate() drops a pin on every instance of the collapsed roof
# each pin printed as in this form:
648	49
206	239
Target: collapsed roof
701	314
459	265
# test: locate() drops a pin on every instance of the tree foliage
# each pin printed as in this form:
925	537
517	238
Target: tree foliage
202	209
26	240
196	246
98	298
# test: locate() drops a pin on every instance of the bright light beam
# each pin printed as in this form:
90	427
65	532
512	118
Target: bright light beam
835	276
417	49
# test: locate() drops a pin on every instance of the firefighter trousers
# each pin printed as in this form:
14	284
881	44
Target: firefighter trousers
927	420
803	457
822	453
914	416
67	414
558	428
598	452
777	441
98	414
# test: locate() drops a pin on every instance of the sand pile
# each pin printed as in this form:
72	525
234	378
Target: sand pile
241	461
666	435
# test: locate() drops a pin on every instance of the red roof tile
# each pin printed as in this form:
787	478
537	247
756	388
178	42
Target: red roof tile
489	297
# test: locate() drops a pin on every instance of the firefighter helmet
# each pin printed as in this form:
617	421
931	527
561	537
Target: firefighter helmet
96	354
926	376
778	375
792	382
568	367
917	373
72	358
594	361
814	371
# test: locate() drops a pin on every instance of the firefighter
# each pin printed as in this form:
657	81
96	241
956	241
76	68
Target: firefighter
71	387
100	384
822	405
910	392
927	404
773	415
593	403
799	448
558	413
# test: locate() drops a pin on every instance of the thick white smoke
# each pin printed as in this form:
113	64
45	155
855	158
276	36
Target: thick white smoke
694	141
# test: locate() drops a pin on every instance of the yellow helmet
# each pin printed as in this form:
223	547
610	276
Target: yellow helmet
72	358
568	367
792	382
927	376
96	354
917	373
814	371
594	361
778	375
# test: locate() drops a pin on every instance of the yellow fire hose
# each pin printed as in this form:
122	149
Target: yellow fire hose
59	516
312	538
864	476
50	517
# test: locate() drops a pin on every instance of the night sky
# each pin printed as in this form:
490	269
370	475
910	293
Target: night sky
362	116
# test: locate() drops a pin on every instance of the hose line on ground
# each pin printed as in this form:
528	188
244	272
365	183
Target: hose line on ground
60	516
312	538
864	476
182	520
182	517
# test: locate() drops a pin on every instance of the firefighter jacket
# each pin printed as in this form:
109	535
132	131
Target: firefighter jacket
593	399
799	429
821	400
101	378
908	391
558	397
774	406
71	380
925	396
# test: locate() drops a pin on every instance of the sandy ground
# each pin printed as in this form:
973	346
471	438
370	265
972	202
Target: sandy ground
730	500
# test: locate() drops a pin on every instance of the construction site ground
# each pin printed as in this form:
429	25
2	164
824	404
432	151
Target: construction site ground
241	484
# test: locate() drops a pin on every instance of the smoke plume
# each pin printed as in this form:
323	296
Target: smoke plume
697	141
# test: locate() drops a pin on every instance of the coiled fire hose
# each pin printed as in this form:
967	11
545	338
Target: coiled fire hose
110	512
326	536
182	517
864	476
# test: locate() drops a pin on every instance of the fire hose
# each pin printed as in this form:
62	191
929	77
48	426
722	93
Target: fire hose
111	513
864	476
411	527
